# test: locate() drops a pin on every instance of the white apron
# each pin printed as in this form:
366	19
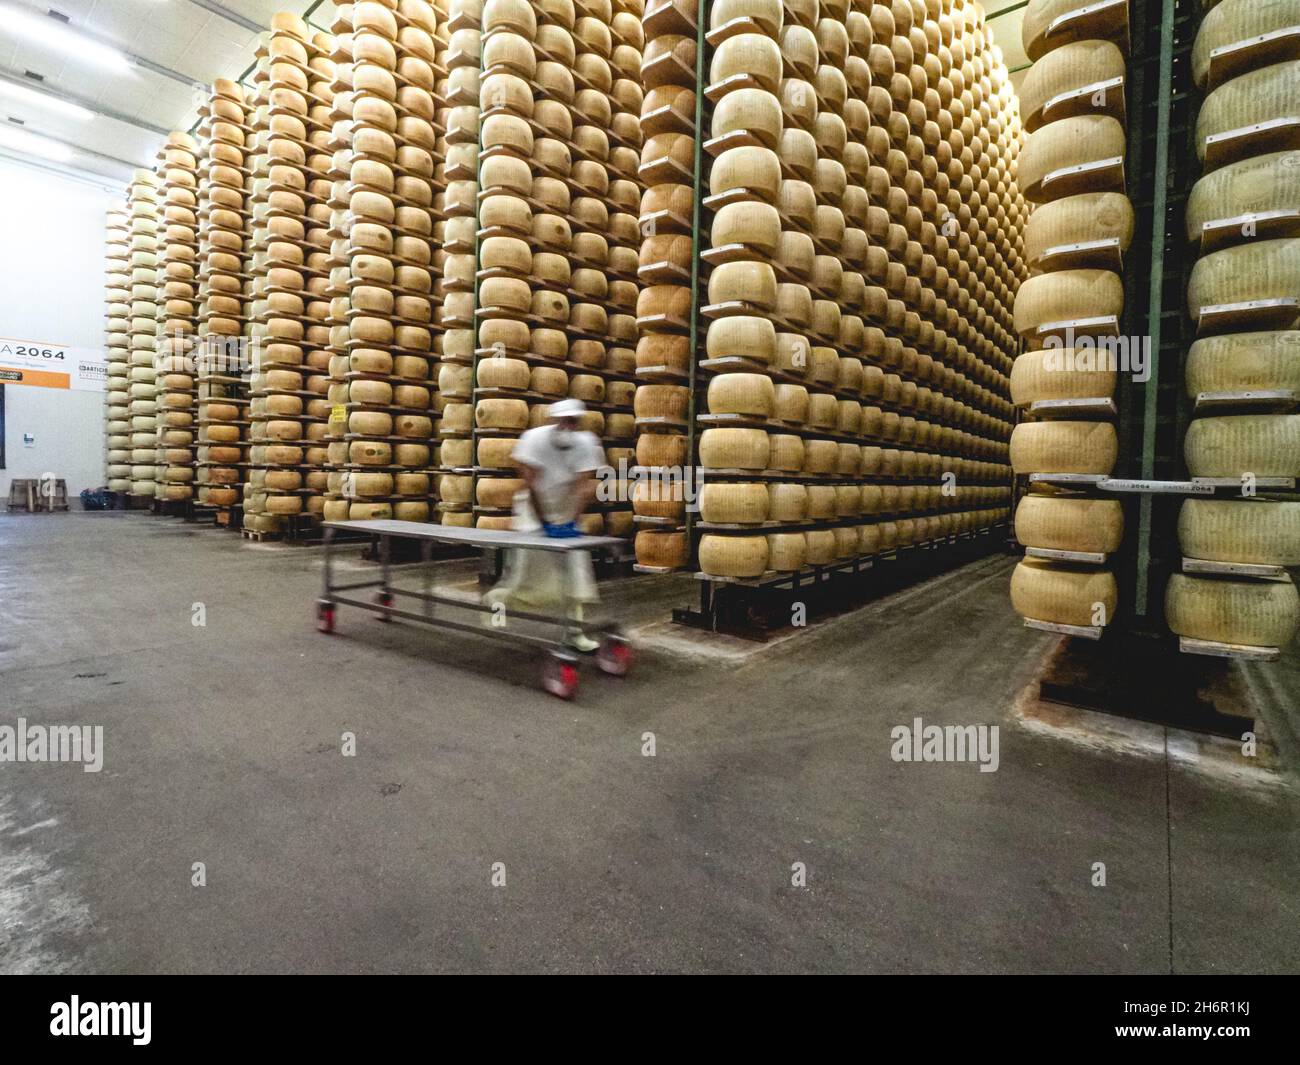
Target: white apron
542	581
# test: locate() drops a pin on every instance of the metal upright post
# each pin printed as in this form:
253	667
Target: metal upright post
701	21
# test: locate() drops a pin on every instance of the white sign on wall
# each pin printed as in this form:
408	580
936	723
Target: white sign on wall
50	365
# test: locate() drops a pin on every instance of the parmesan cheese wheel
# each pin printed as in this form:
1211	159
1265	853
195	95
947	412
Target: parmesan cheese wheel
667	550
501	373
752	54
821	547
660	449
1263	183
1061	373
501	414
1065	523
1063	595
744	449
734	503
1261	445
742	336
1064	447
1249	613
1073	66
746	281
733	556
787	552
1251	531
1237	362
1067	143
493	452
1266	269
1259	96
1076	219
749	394
662	401
752	111
1234	21
750	167
747	222
1067	295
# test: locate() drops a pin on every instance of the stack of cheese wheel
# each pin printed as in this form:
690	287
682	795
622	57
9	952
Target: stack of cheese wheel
386	248
747	134
455	161
608	144
117	351
335	507
557	257
525	228
1081	227
322	79
177	316
663	359
458	115
223	215
1246	359
144	261
871	218
289	268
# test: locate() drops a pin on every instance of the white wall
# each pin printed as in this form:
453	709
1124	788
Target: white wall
52	288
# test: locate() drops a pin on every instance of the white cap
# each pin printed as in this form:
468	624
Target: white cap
567	408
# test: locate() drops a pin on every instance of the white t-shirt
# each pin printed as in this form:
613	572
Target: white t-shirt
558	464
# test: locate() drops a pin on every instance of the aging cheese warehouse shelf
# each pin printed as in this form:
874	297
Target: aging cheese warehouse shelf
933	353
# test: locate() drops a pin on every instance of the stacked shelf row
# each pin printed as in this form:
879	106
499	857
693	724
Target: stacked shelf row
220	362
557	288
289	307
459	115
177	307
1068	312
670	266
382	204
118	295
142	408
863	245
1242	374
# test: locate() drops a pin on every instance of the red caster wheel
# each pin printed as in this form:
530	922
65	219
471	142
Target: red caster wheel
614	656
324	616
384	599
560	676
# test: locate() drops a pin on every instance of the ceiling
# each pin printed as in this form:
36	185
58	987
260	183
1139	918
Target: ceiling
177	48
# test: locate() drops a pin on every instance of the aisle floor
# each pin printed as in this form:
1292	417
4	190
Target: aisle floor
222	747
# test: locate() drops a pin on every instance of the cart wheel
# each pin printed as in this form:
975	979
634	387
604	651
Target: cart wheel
560	677
384	599
324	615
614	656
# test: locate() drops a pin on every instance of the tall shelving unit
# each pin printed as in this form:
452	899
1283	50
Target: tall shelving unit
818	355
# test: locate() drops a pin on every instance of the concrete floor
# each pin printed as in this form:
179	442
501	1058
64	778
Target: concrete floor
222	747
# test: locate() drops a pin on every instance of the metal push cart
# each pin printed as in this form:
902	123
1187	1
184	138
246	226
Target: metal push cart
560	670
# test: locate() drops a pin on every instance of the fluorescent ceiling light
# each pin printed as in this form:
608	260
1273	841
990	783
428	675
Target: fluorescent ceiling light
46	30
27	95
19	140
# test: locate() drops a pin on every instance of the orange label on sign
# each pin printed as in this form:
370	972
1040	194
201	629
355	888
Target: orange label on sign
40	378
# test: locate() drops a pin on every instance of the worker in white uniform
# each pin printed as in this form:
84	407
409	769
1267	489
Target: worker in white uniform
558	463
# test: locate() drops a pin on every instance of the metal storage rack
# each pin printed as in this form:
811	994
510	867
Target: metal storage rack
742	606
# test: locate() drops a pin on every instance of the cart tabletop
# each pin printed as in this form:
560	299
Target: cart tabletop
486	538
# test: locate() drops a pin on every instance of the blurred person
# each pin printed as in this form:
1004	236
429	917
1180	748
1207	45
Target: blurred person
558	463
